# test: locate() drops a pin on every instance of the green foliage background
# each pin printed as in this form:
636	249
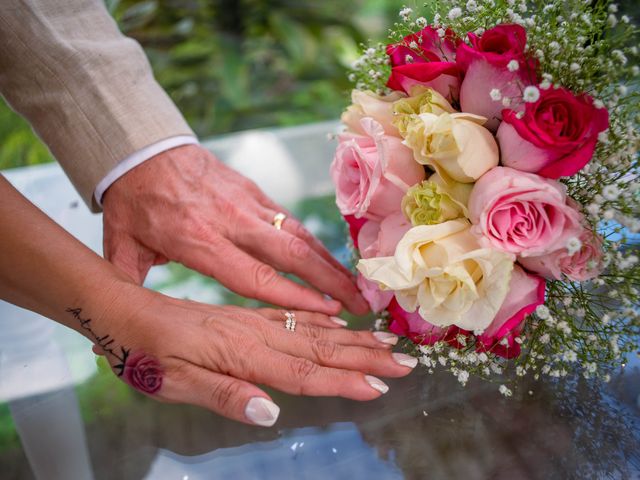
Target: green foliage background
237	64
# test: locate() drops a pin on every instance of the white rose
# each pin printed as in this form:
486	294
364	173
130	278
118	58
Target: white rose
442	271
369	104
455	145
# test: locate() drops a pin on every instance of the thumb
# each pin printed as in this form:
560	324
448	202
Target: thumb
131	257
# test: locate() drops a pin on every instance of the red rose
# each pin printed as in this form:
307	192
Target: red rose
485	64
143	372
355	224
497	46
526	292
418	330
557	135
430	47
431	63
443	77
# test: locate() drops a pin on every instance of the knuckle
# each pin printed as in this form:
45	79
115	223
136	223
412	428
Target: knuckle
226	208
299	249
300	231
210	323
224	393
196	227
303	369
314	332
263	276
325	351
215	241
374	355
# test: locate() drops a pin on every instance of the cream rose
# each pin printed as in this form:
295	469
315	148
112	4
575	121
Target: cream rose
421	100
455	145
442	271
435	201
368	104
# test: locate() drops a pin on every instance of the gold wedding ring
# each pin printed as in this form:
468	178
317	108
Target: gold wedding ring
278	220
290	322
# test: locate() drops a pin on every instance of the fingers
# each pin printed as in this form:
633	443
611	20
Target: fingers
249	277
377	361
316	326
227	396
380	340
300	376
318	319
130	257
296	228
289	253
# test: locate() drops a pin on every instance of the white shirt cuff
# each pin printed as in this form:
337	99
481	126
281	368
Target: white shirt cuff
137	158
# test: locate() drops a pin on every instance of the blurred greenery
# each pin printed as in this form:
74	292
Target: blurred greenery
237	64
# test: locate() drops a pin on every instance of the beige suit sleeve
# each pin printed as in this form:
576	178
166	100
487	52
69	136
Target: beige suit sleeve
87	90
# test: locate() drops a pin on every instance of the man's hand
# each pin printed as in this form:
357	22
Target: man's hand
185	205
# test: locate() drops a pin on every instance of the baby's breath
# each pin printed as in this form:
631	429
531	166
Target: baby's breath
585	47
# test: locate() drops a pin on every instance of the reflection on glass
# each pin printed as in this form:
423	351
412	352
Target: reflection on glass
427	426
301	453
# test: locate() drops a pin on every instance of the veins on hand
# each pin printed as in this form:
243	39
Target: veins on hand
106	342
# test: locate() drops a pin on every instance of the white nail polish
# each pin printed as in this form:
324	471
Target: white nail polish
405	360
339	321
385	337
262	411
377	384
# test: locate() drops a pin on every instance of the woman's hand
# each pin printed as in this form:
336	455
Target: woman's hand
212	356
181	351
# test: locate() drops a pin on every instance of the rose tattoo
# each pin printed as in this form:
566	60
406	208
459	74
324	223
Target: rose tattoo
139	370
143	372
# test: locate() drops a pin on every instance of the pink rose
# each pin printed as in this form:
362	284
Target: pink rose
485	66
526	292
376	298
372	172
584	264
380	239
143	372
418	330
429	47
557	135
521	213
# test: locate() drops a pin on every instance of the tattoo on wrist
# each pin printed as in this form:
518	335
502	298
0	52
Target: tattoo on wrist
106	342
139	370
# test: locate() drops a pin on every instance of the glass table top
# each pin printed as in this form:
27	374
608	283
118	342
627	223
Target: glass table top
65	416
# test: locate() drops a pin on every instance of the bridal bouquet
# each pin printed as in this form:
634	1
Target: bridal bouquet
489	177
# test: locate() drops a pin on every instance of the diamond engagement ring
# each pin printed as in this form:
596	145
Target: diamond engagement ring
290	322
278	220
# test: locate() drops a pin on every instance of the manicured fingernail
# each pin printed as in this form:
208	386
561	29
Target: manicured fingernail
339	321
262	412
377	384
384	337
405	360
